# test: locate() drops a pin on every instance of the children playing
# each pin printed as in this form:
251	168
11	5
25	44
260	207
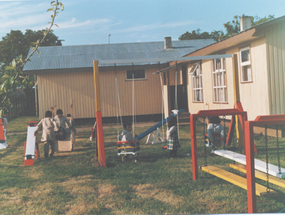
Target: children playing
128	145
61	121
47	125
215	132
126	135
172	137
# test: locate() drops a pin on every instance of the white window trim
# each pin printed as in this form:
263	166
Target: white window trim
247	63
219	90
197	82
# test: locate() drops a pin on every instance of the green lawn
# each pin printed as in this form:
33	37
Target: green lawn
74	183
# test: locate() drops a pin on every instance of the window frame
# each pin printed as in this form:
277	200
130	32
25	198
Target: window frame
219	82
197	82
245	64
135	79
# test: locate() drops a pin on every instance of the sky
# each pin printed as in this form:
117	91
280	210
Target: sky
86	22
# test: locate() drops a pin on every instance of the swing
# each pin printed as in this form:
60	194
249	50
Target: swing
125	148
217	137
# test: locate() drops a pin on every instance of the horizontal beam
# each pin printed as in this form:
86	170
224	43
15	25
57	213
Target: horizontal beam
160	60
218	112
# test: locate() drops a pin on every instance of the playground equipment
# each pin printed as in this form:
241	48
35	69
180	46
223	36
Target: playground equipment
273	172
3	136
250	161
132	147
30	145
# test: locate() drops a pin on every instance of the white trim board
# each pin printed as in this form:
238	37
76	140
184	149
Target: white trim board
259	165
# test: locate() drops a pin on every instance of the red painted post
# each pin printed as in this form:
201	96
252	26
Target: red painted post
250	171
100	139
194	146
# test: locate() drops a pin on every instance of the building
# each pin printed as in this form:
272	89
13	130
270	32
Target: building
65	76
260	66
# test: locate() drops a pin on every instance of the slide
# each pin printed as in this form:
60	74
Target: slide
142	135
30	144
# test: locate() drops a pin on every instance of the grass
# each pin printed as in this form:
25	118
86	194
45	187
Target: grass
74	183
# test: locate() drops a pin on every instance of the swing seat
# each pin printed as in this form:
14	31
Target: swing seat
128	147
217	139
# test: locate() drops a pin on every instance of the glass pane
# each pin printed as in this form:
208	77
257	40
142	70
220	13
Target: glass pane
138	74
245	55
218	63
246	73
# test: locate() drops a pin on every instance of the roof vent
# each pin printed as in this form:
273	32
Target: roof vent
167	43
245	23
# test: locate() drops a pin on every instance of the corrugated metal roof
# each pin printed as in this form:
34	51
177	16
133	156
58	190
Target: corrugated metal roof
67	57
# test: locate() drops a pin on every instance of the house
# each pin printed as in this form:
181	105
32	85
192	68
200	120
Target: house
65	75
260	53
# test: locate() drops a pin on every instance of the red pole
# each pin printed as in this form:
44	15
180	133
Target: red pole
194	146
100	139
250	171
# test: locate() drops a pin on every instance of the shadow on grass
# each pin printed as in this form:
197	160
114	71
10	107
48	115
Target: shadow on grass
20	139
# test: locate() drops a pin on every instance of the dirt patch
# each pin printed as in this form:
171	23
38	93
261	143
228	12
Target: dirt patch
78	208
105	190
147	190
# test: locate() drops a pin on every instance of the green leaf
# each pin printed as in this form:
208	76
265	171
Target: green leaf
9	68
13	64
50	9
56	25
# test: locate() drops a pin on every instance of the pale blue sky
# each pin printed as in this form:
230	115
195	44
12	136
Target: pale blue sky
91	21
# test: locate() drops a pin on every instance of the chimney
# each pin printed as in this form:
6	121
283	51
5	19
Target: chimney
167	43
245	23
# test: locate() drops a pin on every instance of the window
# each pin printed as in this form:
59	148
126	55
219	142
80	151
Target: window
219	80
137	74
245	65
197	83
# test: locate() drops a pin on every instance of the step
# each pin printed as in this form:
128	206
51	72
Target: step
238	180
273	180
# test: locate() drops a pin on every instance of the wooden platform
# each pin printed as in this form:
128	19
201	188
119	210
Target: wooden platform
260	175
259	165
237	180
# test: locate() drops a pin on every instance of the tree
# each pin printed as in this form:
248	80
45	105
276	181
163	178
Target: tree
15	44
13	76
232	28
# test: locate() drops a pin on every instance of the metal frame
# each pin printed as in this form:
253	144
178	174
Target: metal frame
249	147
206	113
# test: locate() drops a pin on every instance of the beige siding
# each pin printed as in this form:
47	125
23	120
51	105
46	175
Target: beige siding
79	86
253	95
276	66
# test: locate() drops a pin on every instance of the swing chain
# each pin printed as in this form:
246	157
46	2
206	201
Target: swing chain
278	157
267	175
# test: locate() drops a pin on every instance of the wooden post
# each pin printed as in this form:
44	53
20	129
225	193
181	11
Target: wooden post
250	171
240	142
194	146
101	147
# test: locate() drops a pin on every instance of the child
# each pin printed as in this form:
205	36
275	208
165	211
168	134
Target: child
126	135
48	136
172	137
215	132
61	122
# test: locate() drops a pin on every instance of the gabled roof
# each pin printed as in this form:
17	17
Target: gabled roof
69	57
242	37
